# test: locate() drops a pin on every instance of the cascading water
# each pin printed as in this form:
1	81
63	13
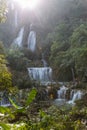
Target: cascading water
75	95
62	93
32	39
44	61
4	101
18	40
42	74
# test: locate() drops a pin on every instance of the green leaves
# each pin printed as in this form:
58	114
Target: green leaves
78	48
79	36
69	50
13	104
10	113
5	126
31	96
4	110
5	75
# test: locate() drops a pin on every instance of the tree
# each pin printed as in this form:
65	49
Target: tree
20	77
79	49
5	75
20	61
59	47
68	42
2	48
3	10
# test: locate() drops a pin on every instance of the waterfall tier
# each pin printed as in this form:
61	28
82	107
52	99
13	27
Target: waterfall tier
75	95
42	74
32	41
72	96
18	40
62	92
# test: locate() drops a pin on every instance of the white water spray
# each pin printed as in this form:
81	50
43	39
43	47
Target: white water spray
42	74
75	95
32	41
18	40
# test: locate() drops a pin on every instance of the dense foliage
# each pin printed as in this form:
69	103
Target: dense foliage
5	75
67	43
64	44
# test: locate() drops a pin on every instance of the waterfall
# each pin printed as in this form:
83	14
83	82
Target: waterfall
43	74
62	92
4	101
32	41
44	61
18	40
75	95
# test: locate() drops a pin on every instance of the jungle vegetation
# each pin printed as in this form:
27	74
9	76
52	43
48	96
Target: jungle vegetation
63	38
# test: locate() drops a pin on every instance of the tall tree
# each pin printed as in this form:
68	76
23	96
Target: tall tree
5	75
79	49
